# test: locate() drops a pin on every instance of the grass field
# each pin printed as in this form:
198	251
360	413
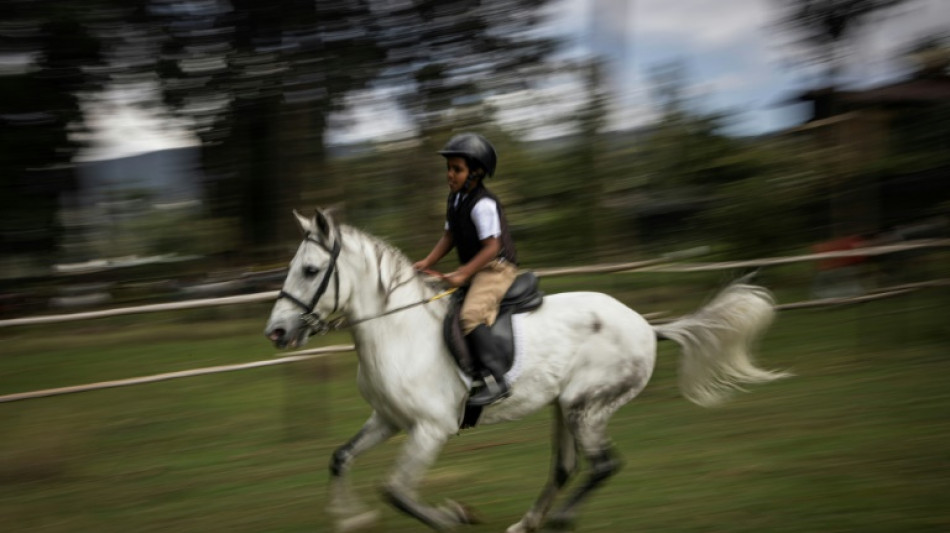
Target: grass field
859	440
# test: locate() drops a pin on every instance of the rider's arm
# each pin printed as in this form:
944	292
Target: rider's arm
445	244
490	248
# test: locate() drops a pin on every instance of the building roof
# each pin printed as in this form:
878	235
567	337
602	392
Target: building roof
917	90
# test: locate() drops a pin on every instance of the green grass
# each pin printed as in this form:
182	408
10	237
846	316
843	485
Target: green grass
857	441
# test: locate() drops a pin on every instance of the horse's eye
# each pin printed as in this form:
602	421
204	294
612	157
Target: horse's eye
310	271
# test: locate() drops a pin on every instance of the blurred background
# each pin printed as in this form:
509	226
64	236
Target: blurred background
152	151
166	141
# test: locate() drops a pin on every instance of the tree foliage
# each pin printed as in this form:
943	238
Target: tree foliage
39	109
261	81
822	30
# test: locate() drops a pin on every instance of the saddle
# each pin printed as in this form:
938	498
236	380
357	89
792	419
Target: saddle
522	296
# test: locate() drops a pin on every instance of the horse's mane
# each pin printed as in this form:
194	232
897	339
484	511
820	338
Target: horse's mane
398	270
379	244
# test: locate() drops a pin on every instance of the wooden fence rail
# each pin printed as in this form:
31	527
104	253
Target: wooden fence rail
662	264
324	351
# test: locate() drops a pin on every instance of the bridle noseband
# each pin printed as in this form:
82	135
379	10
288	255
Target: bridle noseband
310	316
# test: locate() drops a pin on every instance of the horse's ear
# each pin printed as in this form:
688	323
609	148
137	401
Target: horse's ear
324	224
306	224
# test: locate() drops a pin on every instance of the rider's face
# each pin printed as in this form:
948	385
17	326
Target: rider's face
457	172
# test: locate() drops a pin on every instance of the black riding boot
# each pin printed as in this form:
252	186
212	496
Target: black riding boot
486	350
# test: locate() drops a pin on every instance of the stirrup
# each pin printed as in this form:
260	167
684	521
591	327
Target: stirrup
492	392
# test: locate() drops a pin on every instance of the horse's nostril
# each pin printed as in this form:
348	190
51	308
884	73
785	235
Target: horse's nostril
277	334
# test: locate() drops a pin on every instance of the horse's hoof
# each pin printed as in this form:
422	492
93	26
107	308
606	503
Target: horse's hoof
463	513
445	523
520	527
357	522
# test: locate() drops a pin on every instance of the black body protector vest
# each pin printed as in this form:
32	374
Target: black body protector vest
464	232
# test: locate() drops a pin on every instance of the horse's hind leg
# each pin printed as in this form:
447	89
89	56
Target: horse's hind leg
588	424
563	466
349	512
419	452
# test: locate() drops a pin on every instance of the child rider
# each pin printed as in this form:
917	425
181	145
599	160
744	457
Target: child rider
475	225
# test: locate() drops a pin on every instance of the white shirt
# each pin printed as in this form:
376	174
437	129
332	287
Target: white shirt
485	216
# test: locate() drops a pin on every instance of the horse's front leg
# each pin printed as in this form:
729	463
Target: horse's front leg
418	454
346	508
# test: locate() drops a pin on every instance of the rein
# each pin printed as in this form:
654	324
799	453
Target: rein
318	325
343	323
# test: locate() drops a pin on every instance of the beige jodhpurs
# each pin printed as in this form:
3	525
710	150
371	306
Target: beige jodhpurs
484	296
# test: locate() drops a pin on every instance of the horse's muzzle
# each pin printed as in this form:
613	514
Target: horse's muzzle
278	336
283	338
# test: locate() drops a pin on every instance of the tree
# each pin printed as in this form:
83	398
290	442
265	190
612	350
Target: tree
262	80
822	30
39	110
688	147
452	54
929	56
258	80
443	60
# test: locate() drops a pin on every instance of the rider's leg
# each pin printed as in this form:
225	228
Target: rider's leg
479	311
490	355
486	290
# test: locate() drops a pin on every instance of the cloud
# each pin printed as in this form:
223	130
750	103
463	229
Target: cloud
541	112
724	46
370	114
736	55
702	23
878	54
122	130
706	23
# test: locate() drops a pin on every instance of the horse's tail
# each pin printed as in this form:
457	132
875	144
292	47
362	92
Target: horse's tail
716	342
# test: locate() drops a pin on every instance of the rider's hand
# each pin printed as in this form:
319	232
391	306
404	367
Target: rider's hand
421	266
455	279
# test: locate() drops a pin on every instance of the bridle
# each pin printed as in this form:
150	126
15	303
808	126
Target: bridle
318	325
310	317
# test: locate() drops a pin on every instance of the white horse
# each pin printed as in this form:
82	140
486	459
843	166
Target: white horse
586	355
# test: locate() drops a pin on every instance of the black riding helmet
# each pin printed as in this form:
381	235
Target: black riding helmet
474	148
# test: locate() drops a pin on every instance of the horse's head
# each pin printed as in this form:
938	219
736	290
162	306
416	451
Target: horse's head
312	288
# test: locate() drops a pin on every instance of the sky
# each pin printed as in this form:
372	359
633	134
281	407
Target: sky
736	57
733	53
121	128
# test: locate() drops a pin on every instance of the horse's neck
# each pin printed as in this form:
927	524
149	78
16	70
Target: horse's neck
383	283
387	282
402	352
